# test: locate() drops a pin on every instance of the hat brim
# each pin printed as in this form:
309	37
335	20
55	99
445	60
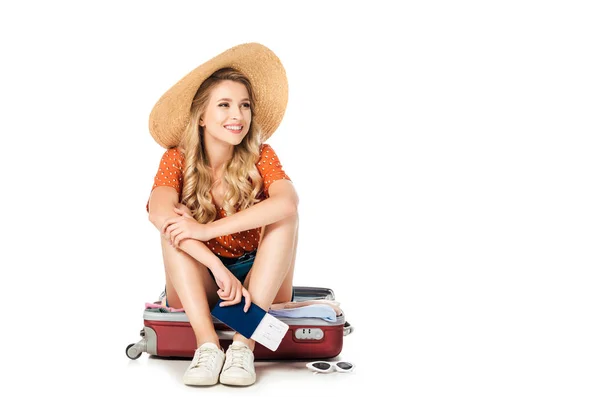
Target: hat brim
171	114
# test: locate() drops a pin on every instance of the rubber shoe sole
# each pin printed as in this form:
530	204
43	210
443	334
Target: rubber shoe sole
200	381
237	381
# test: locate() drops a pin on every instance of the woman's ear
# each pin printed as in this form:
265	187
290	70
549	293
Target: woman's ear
201	123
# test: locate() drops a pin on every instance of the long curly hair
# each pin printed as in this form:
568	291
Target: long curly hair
241	177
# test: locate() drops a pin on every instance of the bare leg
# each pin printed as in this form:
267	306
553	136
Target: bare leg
190	286
271	276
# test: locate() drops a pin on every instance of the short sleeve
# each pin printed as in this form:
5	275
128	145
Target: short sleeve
170	172
270	168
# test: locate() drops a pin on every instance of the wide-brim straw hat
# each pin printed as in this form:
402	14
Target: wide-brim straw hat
171	114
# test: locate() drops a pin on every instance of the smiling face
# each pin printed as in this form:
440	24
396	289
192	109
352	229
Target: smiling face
227	117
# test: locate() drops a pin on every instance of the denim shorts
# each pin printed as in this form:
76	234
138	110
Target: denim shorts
238	266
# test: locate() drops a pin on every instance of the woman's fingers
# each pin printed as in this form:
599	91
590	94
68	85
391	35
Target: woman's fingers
169	227
246	295
167	233
169	223
223	294
166	225
178	236
221	291
238	296
234	289
232	293
226	289
177	239
174	235
174	232
235	300
239	292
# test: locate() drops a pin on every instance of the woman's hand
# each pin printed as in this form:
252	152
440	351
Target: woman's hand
184	227
183	208
231	289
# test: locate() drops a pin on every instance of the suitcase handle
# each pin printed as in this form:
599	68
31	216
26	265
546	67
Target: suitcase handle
313	292
348	329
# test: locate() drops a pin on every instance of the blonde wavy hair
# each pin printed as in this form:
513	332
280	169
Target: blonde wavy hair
241	177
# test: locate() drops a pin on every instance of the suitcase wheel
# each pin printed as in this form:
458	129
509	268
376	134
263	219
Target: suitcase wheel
133	352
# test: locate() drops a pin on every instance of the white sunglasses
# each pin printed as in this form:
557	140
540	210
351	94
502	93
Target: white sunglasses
326	366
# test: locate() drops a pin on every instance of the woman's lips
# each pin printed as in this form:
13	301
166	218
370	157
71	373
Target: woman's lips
234	131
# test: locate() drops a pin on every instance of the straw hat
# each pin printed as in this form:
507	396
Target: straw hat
171	114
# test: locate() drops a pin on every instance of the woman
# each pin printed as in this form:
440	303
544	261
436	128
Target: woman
226	210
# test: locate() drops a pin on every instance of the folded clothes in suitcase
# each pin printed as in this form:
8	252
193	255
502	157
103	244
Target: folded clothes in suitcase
169	334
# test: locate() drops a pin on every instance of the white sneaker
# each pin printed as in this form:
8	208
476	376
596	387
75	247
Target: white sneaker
239	366
205	367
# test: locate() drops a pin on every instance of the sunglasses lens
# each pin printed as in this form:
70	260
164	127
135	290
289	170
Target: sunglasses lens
321	366
344	365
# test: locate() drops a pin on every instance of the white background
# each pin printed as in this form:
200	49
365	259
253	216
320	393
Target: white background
446	158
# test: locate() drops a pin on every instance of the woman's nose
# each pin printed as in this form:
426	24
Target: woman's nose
235	113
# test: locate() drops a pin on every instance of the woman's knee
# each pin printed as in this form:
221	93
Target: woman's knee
180	265
173	256
284	294
288	224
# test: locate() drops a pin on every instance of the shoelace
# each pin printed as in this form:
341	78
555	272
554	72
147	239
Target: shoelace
205	356
238	357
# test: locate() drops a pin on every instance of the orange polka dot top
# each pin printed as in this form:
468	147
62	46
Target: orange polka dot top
170	173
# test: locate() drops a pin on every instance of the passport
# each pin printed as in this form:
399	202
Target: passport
255	324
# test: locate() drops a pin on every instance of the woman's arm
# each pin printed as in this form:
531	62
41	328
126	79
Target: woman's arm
162	201
282	203
161	205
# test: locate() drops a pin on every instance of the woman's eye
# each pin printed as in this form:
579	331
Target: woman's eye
246	105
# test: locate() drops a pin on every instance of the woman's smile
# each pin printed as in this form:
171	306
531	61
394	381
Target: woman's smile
234	128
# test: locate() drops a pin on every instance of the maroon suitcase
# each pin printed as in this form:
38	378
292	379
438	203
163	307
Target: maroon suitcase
169	334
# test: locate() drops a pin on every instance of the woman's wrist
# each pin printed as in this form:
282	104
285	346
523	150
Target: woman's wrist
216	265
203	232
211	230
200	252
